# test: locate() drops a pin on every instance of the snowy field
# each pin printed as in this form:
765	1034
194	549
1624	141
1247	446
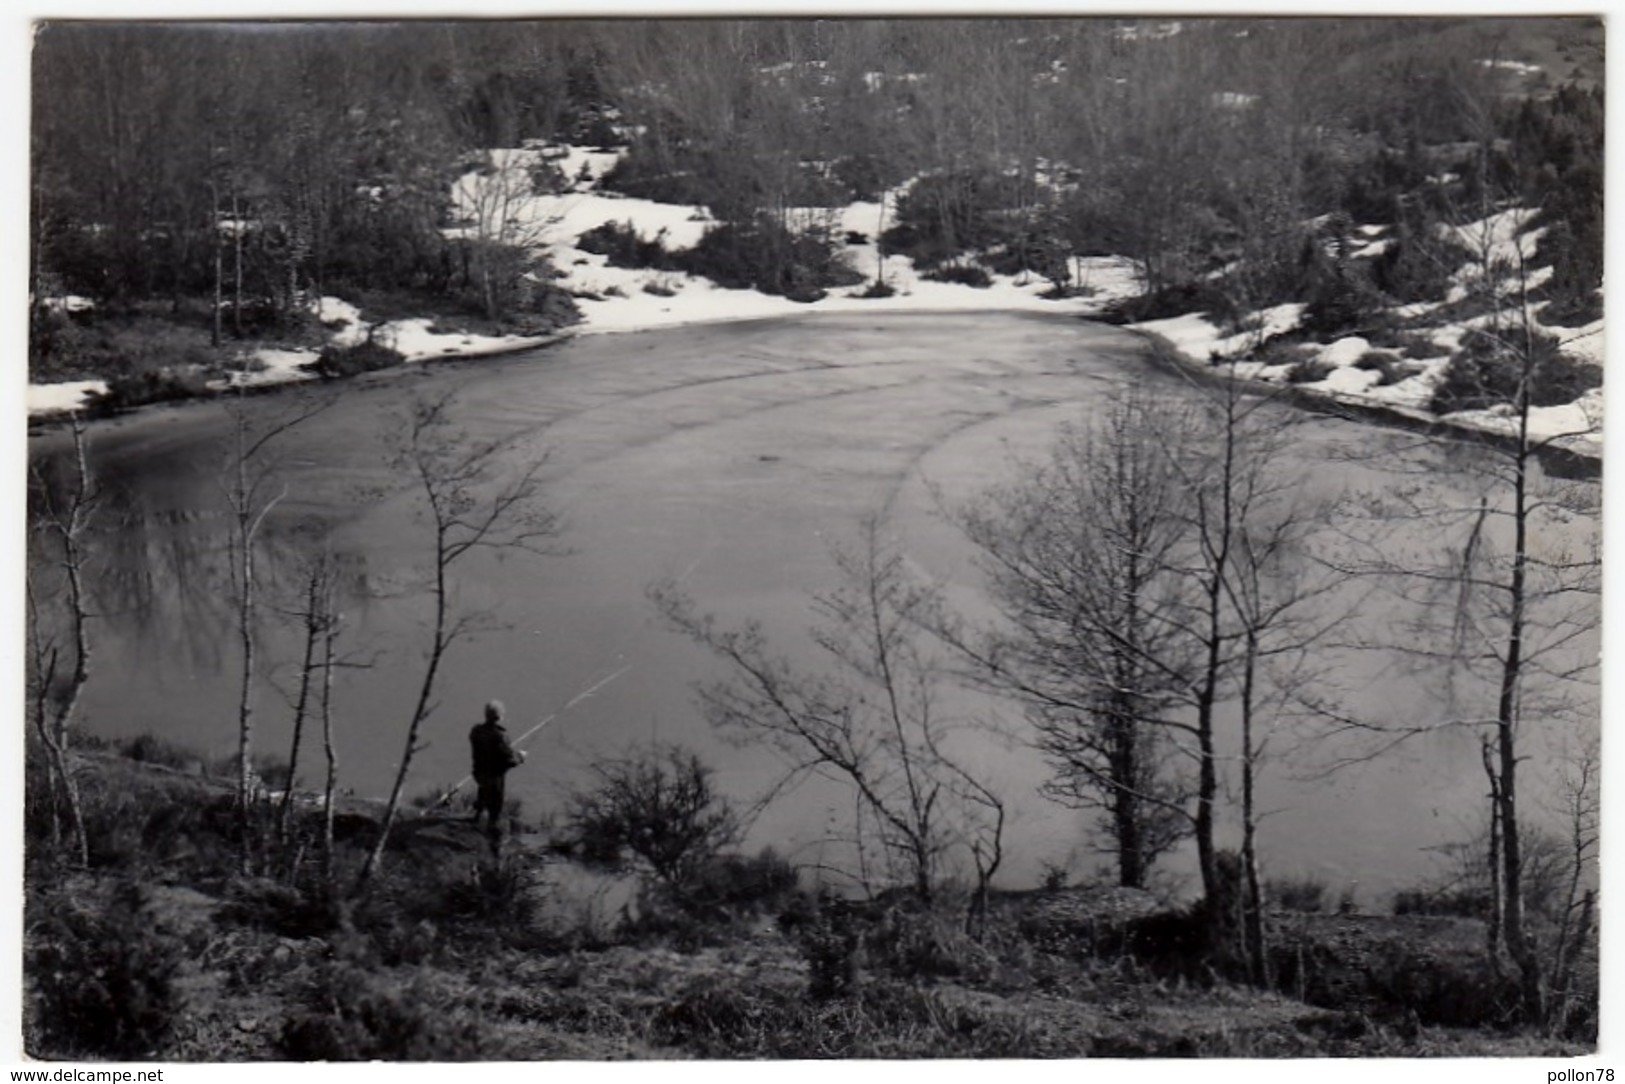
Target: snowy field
497	202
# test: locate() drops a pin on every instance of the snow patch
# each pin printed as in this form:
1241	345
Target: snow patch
62	398
67	303
1517	66
1232	99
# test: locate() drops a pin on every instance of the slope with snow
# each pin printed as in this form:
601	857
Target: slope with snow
497	201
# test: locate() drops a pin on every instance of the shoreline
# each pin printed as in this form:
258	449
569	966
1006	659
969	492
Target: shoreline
1559	460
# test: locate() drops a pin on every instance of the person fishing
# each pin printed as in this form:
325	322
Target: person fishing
494	757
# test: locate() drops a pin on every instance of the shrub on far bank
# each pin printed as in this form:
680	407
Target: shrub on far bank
1486	370
623	246
129	390
962	275
335	362
1391	369
1309	371
877	290
127	347
761	254
1176	300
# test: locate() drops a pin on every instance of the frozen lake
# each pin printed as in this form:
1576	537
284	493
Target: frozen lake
730	456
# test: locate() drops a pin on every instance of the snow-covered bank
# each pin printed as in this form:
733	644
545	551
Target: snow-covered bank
1353	370
63	398
1575	426
500	201
416	339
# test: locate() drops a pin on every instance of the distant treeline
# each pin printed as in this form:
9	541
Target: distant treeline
230	171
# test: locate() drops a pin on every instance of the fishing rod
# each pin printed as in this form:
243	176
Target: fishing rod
445	799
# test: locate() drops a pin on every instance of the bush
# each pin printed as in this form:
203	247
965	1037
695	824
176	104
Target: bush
336	362
877	290
762	255
1440	990
1417	264
279	908
654	806
1574	291
962	274
60	347
738	884
1340	303
101	983
361	1015
1309	371
1187	297
1486	370
1418	347
945	214
866	177
149	748
1458	902
649	174
1392	369
1284	350
129	390
547	179
1305	895
623	246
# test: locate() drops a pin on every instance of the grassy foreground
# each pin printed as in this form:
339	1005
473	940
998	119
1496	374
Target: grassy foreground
162	948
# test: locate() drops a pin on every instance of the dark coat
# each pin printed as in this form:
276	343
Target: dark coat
493	756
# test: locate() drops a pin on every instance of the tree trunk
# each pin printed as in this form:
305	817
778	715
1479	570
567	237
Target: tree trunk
1126	810
219	267
246	524
1492	931
237	271
312	634
329	784
1518	942
1257	951
75	562
437	651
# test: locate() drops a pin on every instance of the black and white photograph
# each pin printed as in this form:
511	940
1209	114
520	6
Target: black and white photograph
723	537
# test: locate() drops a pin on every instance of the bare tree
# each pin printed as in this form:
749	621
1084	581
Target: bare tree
470	506
53	695
314	618
1511	603
251	473
320	623
1249	606
870	722
1582	810
330	634
1080	556
501	229
1285	604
